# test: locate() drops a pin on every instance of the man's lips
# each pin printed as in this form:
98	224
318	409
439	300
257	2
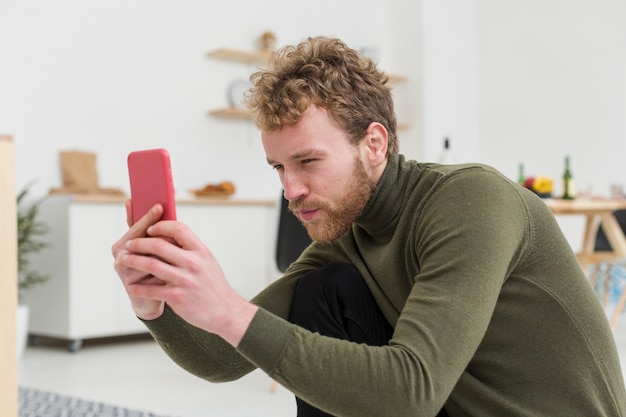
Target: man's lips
307	215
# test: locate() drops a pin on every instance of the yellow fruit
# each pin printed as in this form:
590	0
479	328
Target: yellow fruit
543	185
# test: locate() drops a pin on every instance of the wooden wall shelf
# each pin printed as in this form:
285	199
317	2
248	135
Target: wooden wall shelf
231	112
246	57
397	78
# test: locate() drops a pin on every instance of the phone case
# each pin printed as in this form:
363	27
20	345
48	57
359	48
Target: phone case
151	182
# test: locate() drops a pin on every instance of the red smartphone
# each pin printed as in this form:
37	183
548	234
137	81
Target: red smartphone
150	174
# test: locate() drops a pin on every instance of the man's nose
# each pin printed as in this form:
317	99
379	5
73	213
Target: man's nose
294	187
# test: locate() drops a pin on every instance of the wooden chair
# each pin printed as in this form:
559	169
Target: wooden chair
605	270
292	237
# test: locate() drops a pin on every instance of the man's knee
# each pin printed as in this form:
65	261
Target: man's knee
334	277
317	299
335	301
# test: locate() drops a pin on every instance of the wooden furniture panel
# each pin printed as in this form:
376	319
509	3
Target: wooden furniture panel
8	278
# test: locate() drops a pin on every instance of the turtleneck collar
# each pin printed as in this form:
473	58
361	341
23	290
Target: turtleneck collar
381	213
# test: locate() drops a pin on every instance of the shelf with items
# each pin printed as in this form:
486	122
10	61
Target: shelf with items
261	57
243	114
398	79
236	88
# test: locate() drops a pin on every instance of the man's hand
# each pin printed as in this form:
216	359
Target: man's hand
147	309
180	271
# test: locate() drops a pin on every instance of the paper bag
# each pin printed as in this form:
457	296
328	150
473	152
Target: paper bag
78	170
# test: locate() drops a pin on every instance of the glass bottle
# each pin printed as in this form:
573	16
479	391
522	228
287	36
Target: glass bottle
446	156
521	178
569	188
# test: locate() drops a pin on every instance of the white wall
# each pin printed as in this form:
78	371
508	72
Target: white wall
552	81
508	81
114	76
450	79
406	50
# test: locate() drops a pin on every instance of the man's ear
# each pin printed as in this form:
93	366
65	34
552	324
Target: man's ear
374	144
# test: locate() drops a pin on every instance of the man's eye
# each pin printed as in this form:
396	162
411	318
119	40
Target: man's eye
308	161
277	167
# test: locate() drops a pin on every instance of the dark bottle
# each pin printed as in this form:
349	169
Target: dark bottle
446	156
569	188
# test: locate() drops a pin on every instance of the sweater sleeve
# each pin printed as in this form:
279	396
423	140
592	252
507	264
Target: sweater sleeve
210	357
200	353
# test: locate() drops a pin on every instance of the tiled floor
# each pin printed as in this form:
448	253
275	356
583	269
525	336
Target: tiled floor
136	374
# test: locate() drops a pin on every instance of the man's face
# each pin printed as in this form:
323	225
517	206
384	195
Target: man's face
322	173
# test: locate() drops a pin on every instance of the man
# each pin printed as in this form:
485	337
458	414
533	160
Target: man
429	290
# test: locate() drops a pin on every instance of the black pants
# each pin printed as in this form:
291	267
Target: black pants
335	301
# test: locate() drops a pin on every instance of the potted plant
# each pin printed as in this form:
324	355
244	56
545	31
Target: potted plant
30	233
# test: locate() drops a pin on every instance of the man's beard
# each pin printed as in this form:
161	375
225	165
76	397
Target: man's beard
349	207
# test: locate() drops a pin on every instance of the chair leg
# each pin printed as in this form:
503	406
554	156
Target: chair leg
607	285
593	278
603	271
598	272
594	275
619	309
274	386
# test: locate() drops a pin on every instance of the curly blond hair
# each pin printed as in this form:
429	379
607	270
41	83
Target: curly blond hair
327	73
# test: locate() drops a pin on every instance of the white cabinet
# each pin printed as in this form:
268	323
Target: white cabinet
84	297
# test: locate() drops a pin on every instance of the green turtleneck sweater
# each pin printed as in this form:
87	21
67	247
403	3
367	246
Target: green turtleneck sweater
492	314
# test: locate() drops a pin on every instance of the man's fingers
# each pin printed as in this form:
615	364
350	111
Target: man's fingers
177	233
129	213
138	229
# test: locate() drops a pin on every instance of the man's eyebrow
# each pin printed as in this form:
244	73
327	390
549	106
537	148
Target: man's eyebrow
306	153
